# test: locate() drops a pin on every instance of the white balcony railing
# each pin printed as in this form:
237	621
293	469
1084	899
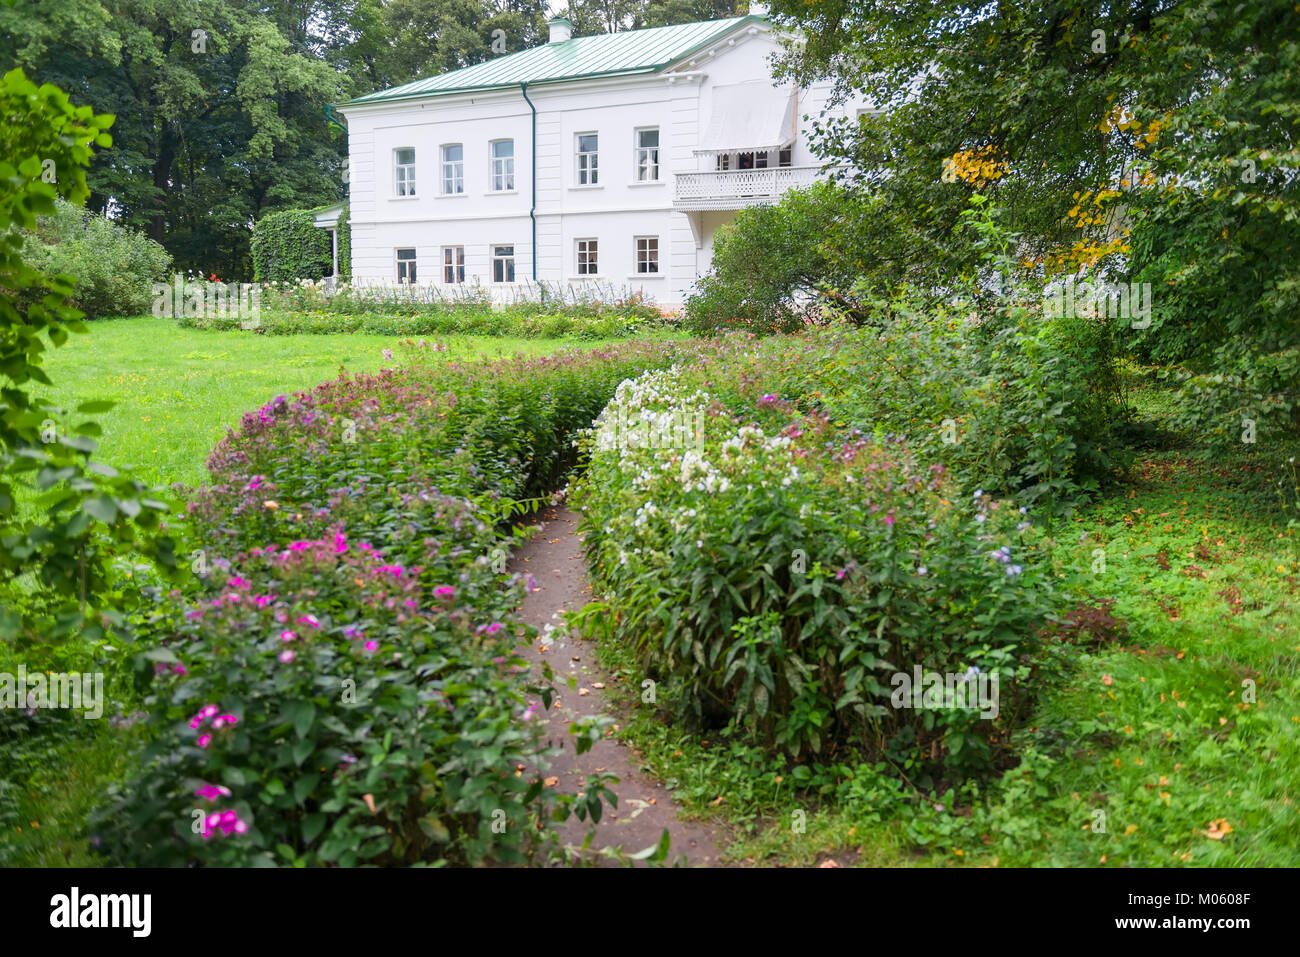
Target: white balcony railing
738	188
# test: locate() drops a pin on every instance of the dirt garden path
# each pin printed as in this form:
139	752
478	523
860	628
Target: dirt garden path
554	558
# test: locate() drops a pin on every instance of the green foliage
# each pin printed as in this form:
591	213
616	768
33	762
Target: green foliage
115	266
767	265
288	246
57	570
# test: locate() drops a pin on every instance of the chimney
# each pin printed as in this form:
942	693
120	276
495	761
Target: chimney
561	29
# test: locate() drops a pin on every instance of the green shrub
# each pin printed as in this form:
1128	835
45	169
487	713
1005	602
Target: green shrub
768	266
286	245
115	266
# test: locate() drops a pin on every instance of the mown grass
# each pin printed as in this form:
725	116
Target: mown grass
1174	739
178	390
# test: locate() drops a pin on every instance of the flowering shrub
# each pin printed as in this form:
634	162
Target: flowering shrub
778	567
333	710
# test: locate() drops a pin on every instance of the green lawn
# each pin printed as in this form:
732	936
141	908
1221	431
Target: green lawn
180	389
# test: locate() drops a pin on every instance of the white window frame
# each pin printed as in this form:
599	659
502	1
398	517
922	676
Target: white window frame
412	271
591	254
646	157
404	174
494	259
637	258
456	267
456	167
502	167
581	167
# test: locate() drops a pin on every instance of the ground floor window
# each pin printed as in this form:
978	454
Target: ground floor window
406	265
647	254
453	263
503	263
587	264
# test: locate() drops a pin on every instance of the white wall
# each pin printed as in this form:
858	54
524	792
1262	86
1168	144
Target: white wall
614	212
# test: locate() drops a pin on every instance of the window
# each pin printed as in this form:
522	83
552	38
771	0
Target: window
724	161
453	169
783	158
647	254
503	263
587	257
406	265
588	147
453	263
647	156
760	160
746	161
503	165
404	171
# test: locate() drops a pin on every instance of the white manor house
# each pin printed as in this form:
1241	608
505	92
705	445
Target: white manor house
603	164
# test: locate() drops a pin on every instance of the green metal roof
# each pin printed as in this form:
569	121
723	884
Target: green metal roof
609	54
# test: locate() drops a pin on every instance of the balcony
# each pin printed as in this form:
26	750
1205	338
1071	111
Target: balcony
738	188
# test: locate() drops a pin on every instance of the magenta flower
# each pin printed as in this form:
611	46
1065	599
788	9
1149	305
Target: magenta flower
210	792
288	635
372	645
205	740
287	655
444	591
493	628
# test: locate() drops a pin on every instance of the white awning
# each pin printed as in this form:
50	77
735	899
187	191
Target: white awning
749	117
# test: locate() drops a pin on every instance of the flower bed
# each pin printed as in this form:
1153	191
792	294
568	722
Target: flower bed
776	567
340	687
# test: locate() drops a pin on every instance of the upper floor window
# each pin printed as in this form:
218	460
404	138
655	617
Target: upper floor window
406	265
588	149
453	169
503	165
503	263
404	171
647	156
783	157
724	161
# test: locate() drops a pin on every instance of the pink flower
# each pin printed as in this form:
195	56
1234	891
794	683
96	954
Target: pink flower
287	655
493	628
205	740
340	543
288	635
372	645
444	591
263	600
210	792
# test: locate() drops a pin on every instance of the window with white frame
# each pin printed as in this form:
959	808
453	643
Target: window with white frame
588	150
453	263
783	158
587	262
647	254
503	165
404	171
453	169
724	161
406	265
647	155
503	263
760	159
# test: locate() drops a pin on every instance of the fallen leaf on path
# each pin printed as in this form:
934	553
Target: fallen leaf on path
551	782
